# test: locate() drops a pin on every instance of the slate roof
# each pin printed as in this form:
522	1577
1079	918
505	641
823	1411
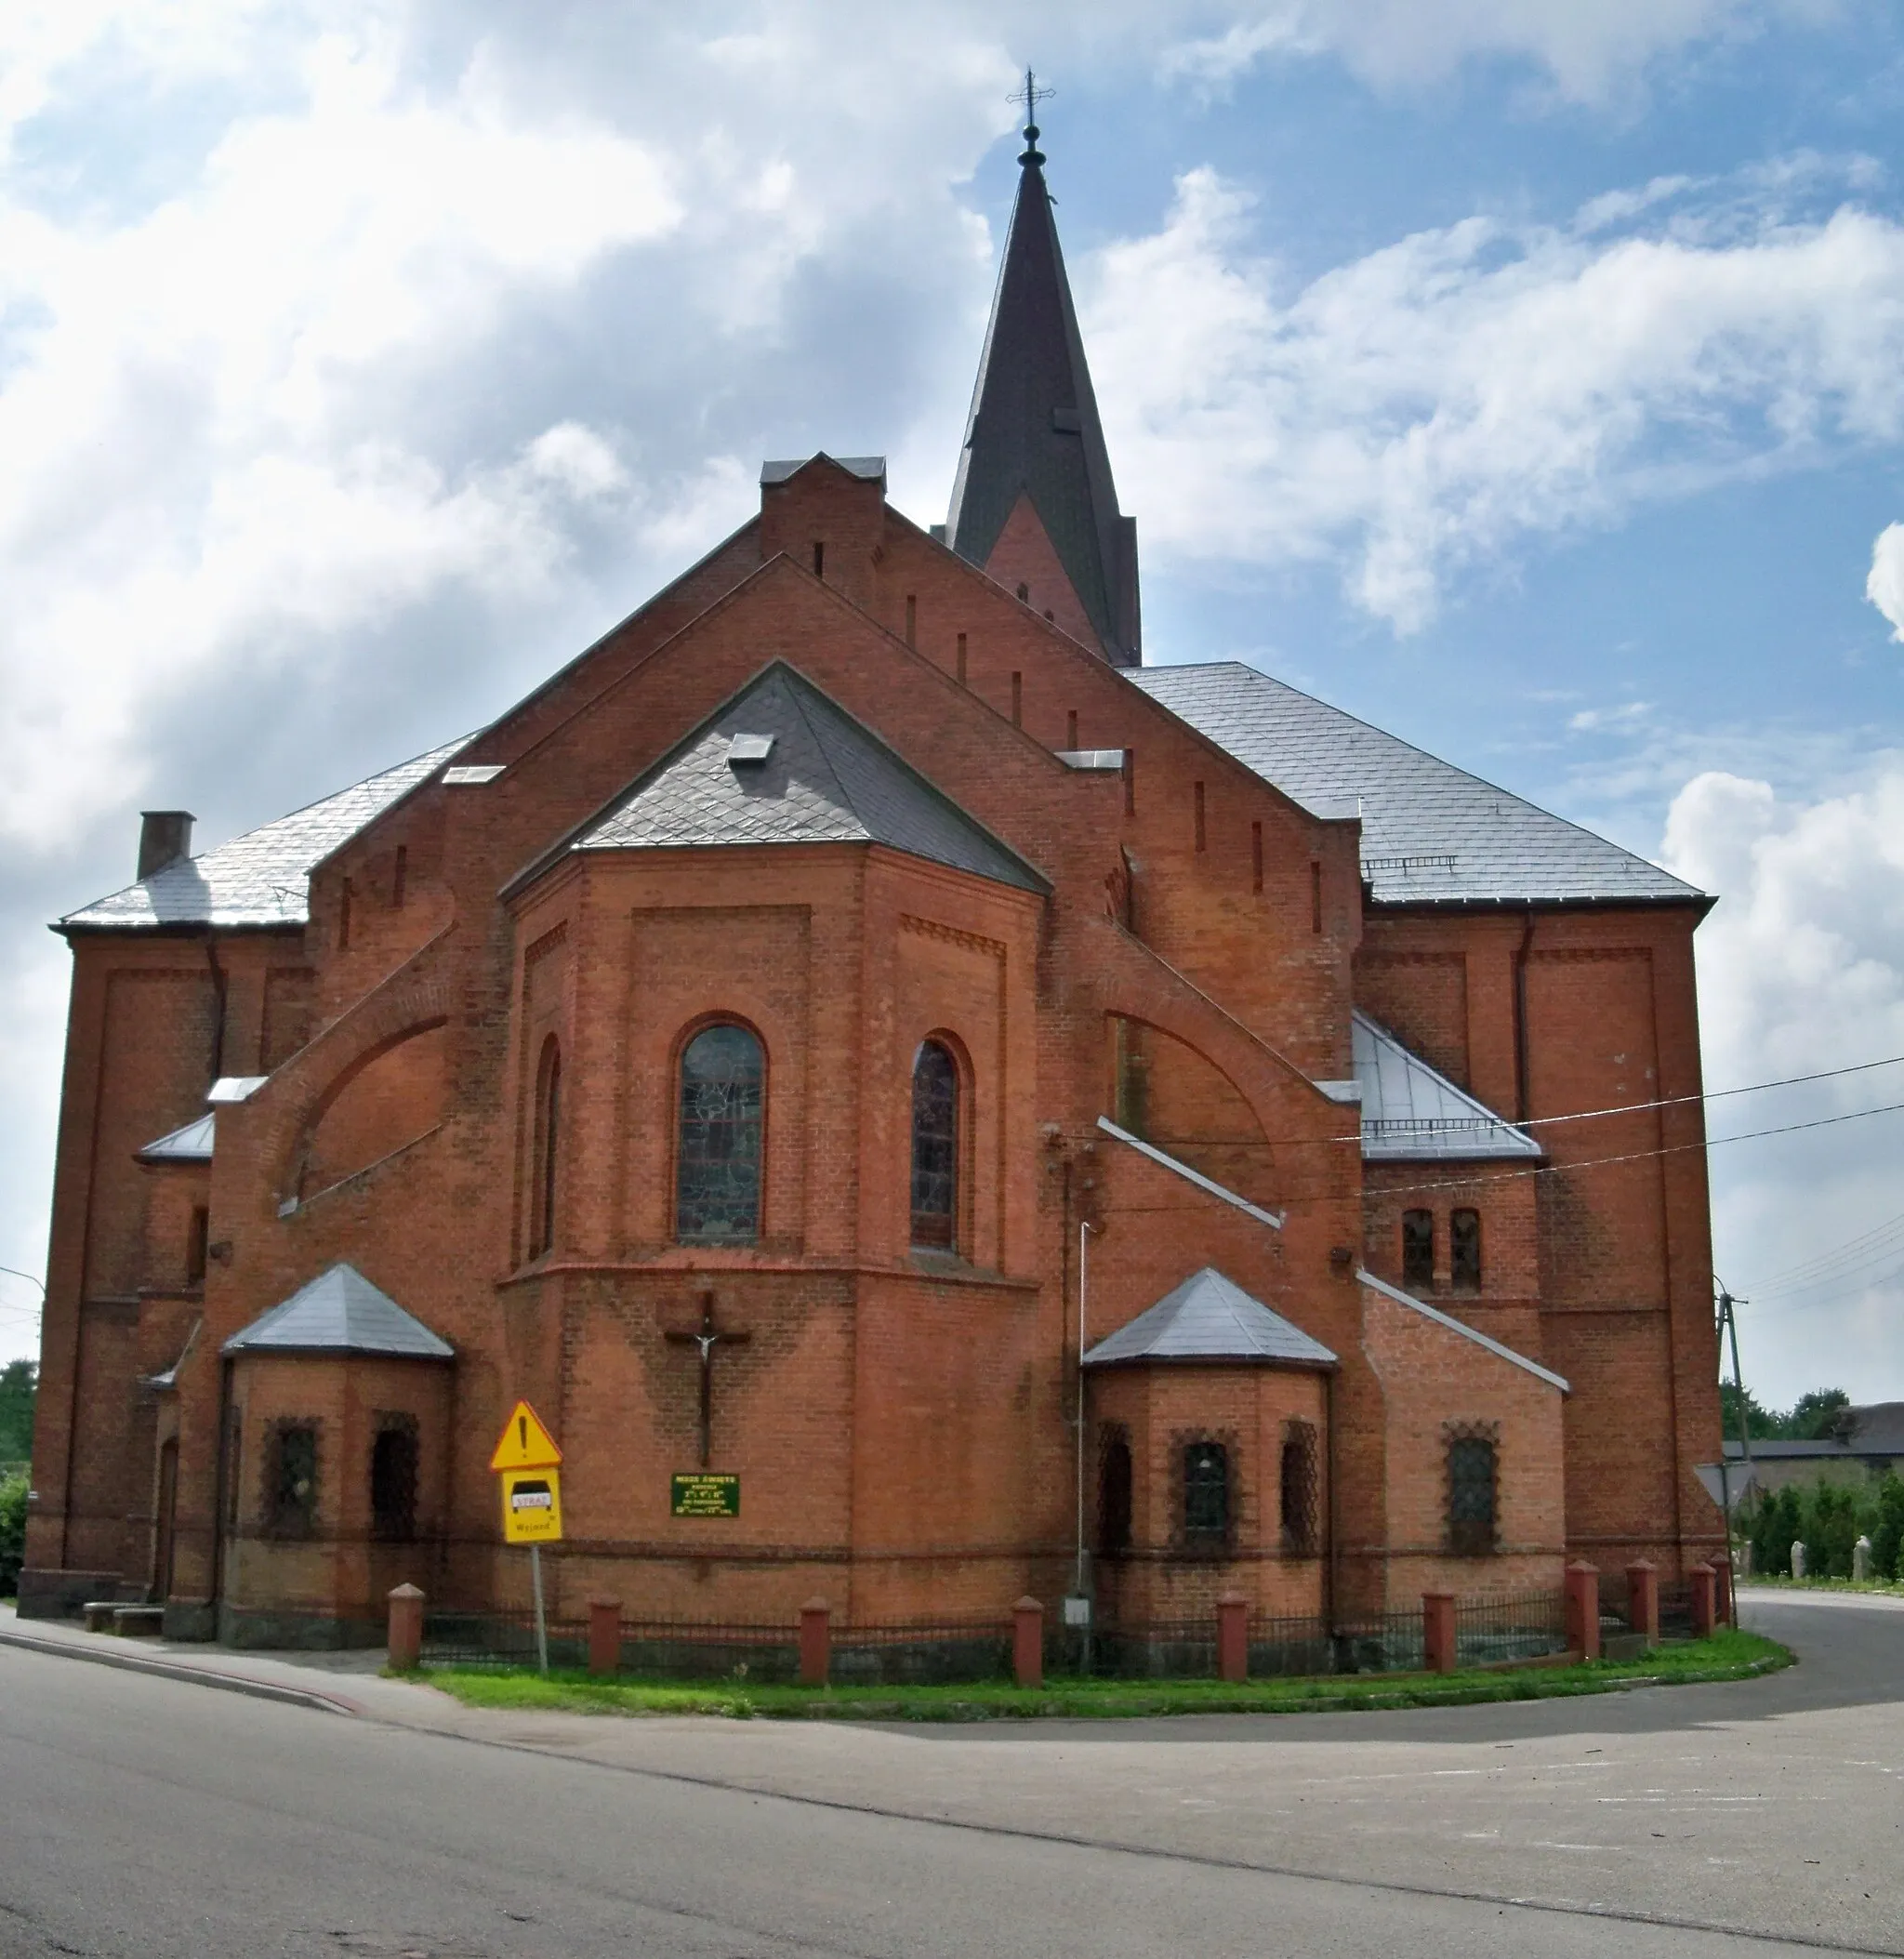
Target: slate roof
868	469
340	1312
1033	428
1411	1111
1210	1317
192	1143
1876	1429
262	878
825	779
1431	833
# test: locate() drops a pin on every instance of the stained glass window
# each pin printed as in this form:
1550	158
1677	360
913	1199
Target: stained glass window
934	1145
393	1484
1418	1250
1471	1481
717	1171
1206	1494
1464	1251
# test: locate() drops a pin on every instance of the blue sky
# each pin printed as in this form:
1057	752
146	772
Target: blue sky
1526	377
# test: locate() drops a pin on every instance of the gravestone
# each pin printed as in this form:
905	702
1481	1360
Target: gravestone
1798	1560
1860	1560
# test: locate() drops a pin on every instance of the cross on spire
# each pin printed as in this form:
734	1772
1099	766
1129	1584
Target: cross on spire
1031	95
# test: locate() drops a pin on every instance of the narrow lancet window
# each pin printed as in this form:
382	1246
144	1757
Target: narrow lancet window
934	1147
542	1187
718	1159
1418	1250
1472	1477
1464	1251
1206	1496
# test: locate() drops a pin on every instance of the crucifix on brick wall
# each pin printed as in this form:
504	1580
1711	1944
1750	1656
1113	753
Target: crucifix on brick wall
706	1337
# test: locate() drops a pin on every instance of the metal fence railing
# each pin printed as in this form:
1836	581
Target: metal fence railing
1511	1625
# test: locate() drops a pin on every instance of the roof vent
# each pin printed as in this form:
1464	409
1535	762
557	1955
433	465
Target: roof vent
165	836
748	751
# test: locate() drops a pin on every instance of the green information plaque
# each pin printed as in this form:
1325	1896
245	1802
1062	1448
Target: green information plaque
706	1495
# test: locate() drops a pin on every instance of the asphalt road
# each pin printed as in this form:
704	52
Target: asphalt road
153	1816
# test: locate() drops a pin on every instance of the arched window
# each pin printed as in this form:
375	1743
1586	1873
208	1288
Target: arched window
1301	1494
1464	1251
542	1174
1417	1251
934	1147
717	1157
1206	1495
1114	1498
1471	1478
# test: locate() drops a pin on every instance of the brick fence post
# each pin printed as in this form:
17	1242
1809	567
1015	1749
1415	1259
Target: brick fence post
1233	1638
815	1642
604	1637
405	1628
1642	1600
1583	1611
1705	1588
1724	1597
1437	1632
1028	1643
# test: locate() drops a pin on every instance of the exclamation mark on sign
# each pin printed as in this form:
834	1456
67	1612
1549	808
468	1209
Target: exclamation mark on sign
523	1434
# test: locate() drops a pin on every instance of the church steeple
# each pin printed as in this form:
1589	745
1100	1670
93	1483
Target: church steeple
1034	483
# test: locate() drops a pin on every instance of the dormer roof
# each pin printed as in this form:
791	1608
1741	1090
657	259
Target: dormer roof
340	1312
1210	1318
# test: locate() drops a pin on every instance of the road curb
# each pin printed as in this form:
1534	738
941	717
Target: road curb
177	1670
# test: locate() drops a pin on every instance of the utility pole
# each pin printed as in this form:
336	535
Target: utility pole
1728	1332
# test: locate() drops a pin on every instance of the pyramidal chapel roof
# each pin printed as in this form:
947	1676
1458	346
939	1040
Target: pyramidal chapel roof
1211	1319
781	763
340	1312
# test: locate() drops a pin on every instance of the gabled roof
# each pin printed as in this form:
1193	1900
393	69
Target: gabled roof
192	1143
868	469
340	1312
1431	834
1210	1317
1033	428
824	779
1411	1111
262	878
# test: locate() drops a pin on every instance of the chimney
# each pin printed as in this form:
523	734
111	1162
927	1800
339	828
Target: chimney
165	836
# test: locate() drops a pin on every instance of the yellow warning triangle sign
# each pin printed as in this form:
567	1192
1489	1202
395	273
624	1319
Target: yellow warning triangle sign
525	1443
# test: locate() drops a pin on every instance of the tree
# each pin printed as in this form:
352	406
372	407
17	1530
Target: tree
1761	1424
1813	1415
18	1389
12	1532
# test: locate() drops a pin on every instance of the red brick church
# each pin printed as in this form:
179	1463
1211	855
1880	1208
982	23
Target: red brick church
1030	1118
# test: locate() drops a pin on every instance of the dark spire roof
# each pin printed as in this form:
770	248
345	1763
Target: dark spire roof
1033	428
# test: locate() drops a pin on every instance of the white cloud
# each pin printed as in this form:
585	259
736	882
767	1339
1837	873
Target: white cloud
1586	50
1432	405
1801	968
1884	587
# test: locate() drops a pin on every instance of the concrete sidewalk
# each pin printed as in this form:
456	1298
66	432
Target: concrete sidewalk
346	1683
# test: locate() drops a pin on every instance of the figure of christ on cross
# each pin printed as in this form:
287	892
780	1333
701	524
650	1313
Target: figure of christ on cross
705	1337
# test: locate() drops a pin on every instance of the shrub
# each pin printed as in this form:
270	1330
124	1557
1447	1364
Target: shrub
1887	1528
1830	1529
12	1532
1777	1522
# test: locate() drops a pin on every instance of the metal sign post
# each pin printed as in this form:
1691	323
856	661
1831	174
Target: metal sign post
527	1463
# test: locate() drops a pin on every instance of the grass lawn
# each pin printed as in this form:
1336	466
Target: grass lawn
1727	1655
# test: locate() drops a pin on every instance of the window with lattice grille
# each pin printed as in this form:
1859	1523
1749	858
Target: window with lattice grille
1302	1503
1472	1493
1114	1498
1206	1496
291	1480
